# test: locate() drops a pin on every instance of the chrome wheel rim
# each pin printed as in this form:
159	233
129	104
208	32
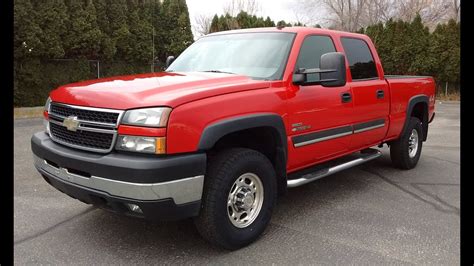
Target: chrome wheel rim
413	143
245	200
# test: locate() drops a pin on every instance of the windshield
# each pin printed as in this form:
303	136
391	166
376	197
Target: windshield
257	55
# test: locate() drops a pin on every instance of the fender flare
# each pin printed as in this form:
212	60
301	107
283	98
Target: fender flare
421	98
213	132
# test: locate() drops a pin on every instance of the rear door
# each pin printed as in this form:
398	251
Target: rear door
319	118
371	98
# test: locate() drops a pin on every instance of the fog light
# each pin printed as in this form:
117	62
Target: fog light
136	143
134	208
155	145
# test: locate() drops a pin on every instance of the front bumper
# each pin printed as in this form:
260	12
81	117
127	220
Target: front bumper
164	188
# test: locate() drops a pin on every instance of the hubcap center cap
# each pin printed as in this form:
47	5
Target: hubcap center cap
248	201
244	199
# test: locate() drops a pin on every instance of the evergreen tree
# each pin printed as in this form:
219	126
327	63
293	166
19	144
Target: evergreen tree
107	44
83	36
27	33
269	22
177	27
419	41
140	46
214	24
119	29
445	51
52	19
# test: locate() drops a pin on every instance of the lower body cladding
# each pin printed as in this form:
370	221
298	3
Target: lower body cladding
155	188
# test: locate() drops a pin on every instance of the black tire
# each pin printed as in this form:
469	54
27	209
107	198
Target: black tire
399	149
224	169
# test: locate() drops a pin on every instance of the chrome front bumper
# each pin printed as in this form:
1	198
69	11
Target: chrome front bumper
182	191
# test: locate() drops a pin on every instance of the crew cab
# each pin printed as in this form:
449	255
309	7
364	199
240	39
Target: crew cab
233	122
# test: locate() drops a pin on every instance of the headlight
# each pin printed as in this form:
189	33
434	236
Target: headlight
152	117
141	144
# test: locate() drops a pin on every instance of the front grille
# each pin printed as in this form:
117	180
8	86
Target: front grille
82	138
95	131
83	114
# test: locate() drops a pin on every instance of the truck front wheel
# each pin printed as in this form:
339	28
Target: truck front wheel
405	152
240	192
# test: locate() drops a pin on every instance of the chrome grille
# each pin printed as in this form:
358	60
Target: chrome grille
85	114
82	138
96	129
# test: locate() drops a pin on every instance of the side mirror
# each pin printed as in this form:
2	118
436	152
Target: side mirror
169	60
332	70
336	61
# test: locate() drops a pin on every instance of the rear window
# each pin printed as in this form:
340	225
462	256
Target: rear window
361	61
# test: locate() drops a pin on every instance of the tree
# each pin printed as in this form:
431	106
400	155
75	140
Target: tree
177	27
351	15
214	24
445	50
202	24
233	7
119	29
107	44
141	30
52	19
419	41
27	38
83	35
431	12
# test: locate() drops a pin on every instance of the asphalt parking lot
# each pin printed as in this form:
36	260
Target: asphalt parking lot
370	214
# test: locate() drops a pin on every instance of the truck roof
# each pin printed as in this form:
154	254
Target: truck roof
298	29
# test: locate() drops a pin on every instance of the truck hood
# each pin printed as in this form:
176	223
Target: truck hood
153	89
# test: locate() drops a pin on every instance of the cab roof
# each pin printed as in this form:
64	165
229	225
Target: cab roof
299	29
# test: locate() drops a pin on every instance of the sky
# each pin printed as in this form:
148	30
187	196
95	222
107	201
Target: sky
276	9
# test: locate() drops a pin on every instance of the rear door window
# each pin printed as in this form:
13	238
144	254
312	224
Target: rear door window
361	61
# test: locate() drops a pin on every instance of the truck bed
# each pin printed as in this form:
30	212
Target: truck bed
402	89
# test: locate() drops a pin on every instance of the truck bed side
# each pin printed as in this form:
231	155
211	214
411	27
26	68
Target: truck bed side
404	89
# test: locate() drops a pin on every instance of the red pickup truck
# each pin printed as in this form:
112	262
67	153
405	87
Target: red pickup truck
235	120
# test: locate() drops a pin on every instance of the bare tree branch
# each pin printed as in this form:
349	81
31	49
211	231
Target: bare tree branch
202	24
350	15
233	7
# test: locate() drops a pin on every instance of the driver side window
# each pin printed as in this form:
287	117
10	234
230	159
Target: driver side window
310	53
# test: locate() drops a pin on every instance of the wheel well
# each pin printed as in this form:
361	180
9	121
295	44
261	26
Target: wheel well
420	111
265	140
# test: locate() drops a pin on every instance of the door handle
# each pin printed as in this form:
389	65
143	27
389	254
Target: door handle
380	94
346	97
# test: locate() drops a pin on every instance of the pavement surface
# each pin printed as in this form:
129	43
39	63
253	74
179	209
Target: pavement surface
370	214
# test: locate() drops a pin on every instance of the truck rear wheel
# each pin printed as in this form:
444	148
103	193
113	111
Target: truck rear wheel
405	152
240	192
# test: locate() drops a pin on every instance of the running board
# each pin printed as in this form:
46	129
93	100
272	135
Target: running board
333	167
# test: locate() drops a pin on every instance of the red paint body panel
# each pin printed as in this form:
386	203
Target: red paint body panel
200	99
141	131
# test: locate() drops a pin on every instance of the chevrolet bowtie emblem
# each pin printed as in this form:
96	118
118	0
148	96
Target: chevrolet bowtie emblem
71	123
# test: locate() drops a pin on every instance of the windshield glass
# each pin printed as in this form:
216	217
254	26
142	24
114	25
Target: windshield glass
257	55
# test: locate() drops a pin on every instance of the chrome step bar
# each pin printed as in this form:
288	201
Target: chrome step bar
363	157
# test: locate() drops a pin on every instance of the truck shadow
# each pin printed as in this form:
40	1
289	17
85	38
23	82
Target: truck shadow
179	241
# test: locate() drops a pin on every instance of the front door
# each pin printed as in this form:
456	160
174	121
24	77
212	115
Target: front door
320	117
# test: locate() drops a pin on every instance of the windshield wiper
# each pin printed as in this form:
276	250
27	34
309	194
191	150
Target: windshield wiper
217	71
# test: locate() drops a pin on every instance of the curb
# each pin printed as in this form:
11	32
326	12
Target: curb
28	112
